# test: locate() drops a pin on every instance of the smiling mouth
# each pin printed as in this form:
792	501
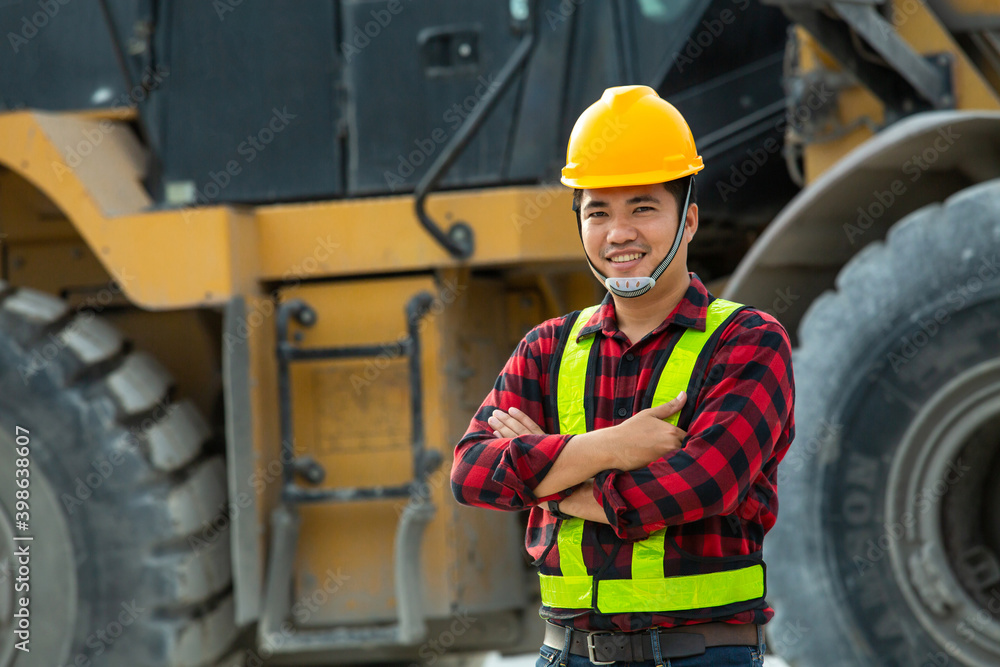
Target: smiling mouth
621	259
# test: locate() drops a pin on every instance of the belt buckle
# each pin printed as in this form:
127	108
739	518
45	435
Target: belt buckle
591	648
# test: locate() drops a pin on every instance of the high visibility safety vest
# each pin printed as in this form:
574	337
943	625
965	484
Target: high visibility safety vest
725	584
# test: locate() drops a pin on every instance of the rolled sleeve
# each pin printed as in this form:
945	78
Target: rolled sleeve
743	414
501	473
524	463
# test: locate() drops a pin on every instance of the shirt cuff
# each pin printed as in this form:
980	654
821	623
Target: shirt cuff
616	509
525	462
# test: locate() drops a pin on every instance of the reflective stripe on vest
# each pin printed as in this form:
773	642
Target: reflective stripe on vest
648	590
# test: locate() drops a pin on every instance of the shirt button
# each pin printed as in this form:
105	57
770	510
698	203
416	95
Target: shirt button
622	412
629	357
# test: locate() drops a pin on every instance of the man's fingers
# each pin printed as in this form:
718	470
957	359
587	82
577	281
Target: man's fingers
513	424
670	407
526	421
504	432
508	426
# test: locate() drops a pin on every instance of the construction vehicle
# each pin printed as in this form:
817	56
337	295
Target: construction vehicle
262	261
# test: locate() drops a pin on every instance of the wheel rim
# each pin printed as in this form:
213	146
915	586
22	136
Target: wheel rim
939	493
53	583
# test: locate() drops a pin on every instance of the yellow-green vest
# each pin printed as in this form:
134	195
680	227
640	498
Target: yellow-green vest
720	587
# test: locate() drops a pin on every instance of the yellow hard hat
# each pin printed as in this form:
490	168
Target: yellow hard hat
631	136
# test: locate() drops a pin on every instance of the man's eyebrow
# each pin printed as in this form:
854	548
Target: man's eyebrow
638	199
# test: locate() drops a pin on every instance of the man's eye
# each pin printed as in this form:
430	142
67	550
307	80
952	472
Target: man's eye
595	214
643	208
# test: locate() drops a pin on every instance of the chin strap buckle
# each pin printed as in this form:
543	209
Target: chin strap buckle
628	284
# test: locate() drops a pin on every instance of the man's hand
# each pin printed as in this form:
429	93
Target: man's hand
633	444
645	436
513	424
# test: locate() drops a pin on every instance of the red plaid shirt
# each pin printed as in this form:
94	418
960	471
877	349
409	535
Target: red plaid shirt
718	494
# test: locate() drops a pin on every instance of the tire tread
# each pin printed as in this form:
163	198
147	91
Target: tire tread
163	494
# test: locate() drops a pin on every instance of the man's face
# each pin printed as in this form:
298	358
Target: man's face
627	231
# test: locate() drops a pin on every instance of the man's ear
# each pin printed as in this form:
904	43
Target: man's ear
691	223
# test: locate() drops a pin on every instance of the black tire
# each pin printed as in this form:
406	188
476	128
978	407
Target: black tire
119	482
910	332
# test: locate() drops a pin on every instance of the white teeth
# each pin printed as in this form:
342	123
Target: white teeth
626	258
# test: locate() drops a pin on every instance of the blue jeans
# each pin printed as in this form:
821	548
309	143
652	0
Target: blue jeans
715	656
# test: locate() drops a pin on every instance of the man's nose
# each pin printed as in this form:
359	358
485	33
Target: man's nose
621	230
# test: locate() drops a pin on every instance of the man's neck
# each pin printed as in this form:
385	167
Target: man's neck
638	316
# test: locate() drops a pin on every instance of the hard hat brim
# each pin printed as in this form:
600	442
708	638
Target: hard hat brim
594	181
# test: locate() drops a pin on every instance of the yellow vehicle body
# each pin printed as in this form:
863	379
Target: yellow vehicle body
83	230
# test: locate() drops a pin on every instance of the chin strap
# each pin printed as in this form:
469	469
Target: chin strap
632	287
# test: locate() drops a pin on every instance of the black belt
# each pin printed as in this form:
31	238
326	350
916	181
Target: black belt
605	648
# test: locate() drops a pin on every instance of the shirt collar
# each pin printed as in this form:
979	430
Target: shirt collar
690	312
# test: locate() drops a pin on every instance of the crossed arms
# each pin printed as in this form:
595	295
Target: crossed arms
643	479
633	444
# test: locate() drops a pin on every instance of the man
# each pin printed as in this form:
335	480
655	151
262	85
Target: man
669	411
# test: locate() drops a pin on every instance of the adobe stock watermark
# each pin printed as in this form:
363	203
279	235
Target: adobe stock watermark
956	299
783	300
309	604
798	456
264	307
249	149
925	500
362	35
33	24
230	509
433	482
915	167
84	486
899	12
40	357
790	635
102	639
426	147
538	204
942	658
612	129
302	610
979	622
432	649
819	94
223	7
544	198
712	28
218	525
375	366
93	136
562	13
